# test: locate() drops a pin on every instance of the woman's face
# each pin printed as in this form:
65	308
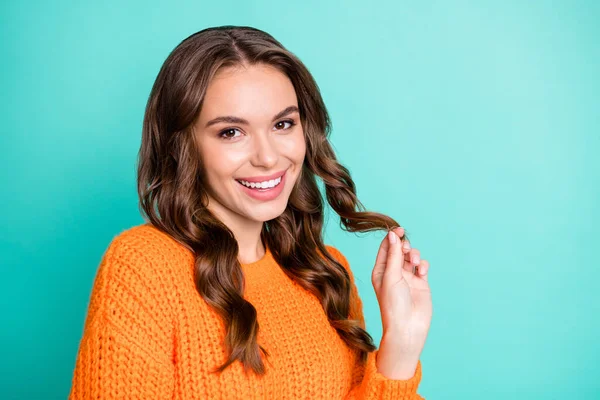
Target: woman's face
251	143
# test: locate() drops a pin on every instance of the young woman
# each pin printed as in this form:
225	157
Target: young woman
228	291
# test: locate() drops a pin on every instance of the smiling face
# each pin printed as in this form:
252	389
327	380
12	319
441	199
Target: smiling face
251	143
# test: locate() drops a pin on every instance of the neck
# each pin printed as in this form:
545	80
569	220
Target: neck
249	241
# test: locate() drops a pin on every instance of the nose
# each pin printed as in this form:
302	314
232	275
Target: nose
265	152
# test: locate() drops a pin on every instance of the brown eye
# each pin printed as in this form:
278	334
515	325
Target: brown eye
228	133
281	124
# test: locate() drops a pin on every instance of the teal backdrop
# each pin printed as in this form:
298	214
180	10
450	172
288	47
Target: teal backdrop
475	124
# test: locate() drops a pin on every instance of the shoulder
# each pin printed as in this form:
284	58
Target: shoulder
335	252
133	283
339	256
355	311
145	254
145	244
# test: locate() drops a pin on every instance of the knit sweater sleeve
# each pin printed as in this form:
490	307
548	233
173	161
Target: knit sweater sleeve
367	382
126	345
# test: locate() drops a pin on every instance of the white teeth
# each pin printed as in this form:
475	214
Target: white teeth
262	185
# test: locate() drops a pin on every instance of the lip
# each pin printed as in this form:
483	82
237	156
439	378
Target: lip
264	194
263	178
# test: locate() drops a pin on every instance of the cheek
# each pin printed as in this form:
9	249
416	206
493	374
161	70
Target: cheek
221	162
294	147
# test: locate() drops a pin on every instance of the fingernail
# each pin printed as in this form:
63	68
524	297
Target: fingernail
415	260
392	237
406	245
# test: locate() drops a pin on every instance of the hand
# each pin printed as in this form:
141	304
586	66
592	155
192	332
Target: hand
405	303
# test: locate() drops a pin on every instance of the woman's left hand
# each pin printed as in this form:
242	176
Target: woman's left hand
405	304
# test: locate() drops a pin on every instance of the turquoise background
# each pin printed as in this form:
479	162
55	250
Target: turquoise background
475	124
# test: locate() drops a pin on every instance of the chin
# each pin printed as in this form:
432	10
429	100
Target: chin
270	212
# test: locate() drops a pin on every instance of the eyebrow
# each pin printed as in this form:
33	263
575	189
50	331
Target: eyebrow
236	120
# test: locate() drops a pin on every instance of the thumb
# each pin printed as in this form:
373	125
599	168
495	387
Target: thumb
395	260
380	264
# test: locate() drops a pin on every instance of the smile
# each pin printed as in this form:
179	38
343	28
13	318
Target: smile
265	188
261	185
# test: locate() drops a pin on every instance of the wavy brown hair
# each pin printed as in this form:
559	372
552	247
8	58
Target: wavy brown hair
172	190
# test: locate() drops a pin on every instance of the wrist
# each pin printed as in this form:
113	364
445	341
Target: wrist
396	361
402	344
394	367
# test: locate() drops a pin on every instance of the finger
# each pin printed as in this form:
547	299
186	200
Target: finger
380	263
407	256
423	270
412	258
406	247
400	232
382	254
395	259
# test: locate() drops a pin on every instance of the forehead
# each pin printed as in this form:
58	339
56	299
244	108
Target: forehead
255	93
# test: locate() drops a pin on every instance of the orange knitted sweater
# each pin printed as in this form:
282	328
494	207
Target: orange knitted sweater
149	335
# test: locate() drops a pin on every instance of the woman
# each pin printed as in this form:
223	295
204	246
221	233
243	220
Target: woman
228	290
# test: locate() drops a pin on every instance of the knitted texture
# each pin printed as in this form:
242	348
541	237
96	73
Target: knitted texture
148	334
